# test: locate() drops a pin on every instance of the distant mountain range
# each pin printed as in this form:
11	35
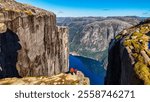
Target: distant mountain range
90	36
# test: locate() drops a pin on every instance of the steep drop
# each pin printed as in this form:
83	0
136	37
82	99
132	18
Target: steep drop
129	57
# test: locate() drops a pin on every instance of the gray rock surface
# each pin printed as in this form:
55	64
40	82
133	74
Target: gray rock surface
44	45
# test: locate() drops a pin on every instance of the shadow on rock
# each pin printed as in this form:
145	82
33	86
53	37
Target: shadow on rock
9	45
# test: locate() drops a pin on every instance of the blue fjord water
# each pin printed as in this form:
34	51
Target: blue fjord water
91	68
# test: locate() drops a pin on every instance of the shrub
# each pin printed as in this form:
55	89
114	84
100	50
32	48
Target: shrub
28	12
144	29
137	34
127	43
135	55
118	37
143	72
140	58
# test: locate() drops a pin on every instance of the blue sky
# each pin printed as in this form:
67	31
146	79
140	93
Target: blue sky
78	8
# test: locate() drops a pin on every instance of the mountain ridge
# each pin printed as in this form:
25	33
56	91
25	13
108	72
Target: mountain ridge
97	31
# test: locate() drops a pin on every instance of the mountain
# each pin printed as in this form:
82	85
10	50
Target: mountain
90	36
129	57
92	69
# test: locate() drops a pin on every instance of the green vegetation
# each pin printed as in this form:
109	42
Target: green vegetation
144	29
135	55
28	12
118	36
137	34
127	43
143	72
140	58
139	42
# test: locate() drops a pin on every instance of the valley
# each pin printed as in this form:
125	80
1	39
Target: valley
90	36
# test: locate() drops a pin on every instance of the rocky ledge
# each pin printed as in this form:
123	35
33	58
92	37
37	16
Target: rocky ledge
60	79
129	56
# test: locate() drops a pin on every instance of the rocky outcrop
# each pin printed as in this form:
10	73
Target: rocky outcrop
60	79
44	46
129	57
90	36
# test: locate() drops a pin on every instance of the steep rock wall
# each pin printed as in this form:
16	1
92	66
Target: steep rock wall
129	57
120	69
44	46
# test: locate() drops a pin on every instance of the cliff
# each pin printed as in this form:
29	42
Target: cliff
31	34
129	57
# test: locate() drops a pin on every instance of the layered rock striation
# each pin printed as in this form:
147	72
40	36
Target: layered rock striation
43	45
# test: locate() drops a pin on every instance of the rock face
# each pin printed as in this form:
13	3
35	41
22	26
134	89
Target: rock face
44	46
90	36
120	70
129	57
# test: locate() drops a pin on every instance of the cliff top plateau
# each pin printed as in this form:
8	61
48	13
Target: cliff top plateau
12	5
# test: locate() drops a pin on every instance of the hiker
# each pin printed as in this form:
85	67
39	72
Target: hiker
73	70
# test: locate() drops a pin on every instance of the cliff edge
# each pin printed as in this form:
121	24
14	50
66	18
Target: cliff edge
30	41
60	79
129	57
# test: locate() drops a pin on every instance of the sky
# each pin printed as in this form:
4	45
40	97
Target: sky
82	8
